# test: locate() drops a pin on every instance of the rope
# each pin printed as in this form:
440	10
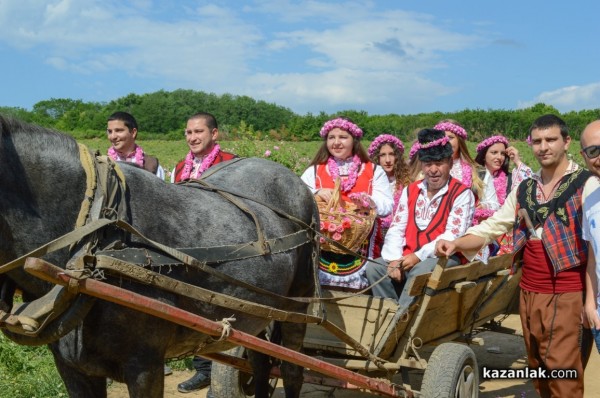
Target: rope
226	322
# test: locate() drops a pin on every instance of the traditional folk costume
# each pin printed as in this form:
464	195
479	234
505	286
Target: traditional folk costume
139	158
346	271
421	221
496	187
553	275
383	222
192	167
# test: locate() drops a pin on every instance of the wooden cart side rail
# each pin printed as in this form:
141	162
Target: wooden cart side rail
50	273
468	272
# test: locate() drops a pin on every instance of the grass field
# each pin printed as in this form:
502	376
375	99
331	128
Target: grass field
27	372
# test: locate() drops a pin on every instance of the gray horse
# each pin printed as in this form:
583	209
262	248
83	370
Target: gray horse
42	185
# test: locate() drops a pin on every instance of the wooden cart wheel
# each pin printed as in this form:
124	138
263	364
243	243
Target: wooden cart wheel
452	371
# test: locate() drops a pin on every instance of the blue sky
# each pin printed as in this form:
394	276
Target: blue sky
382	57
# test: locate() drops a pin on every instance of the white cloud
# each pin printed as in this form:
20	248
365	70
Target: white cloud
352	53
569	98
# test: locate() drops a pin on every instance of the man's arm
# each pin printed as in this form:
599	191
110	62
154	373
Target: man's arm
395	238
591	290
477	237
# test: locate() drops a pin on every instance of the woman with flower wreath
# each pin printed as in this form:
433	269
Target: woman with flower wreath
201	135
121	130
464	168
342	156
387	151
494	153
415	172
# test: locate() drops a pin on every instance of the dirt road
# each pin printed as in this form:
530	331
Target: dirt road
500	350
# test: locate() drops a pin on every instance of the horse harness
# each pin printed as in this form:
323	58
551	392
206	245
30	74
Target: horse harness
99	249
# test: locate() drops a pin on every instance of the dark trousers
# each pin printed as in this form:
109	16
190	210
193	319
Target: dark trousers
202	365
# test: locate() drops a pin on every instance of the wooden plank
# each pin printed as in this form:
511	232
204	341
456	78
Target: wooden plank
467	272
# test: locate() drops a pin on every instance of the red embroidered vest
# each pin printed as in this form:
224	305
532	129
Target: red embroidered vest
415	238
221	157
364	182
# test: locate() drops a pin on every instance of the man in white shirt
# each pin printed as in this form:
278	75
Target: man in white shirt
431	209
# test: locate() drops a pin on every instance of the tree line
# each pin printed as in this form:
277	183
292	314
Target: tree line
163	115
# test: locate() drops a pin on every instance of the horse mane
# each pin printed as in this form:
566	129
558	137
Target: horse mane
34	136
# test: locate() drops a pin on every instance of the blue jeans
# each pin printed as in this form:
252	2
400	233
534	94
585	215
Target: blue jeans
596	334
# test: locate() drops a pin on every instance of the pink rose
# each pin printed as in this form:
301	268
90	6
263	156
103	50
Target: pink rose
267	153
337	236
332	227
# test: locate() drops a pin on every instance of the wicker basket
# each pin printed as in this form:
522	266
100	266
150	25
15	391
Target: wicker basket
344	222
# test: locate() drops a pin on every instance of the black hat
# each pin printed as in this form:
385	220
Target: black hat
433	145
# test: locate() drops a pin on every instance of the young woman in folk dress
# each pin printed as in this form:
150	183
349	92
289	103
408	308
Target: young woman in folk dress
362	182
388	152
494	153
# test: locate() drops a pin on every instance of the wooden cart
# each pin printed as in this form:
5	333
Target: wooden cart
450	304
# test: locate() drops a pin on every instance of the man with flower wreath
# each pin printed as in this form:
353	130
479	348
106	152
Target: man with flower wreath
545	215
122	129
436	207
201	135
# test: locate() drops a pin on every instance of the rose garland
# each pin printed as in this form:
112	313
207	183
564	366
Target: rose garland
206	163
138	155
455	128
343	124
500	181
385	139
413	150
349	182
495	139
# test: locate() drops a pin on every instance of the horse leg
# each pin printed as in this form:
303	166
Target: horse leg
292	337
79	384
261	368
146	382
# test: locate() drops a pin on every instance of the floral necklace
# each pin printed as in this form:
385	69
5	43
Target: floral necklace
467	175
137	155
349	182
500	186
206	163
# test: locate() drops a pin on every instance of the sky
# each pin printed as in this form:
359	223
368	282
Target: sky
383	57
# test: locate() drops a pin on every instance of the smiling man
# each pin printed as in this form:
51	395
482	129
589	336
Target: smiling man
201	135
434	208
545	214
122	129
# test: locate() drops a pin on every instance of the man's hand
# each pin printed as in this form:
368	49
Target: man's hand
394	270
445	248
591	315
409	261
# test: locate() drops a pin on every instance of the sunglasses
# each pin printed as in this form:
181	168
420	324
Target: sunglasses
592	151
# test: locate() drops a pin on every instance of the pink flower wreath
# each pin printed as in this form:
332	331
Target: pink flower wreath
495	139
385	139
343	124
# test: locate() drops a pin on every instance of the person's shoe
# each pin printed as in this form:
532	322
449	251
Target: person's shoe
196	382
168	370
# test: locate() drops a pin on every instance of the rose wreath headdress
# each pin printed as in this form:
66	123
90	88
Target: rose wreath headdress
343	124
385	139
455	128
495	139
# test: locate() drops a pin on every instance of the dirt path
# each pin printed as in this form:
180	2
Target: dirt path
500	350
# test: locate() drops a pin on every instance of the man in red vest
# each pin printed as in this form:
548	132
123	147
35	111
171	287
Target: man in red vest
201	135
545	214
430	209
